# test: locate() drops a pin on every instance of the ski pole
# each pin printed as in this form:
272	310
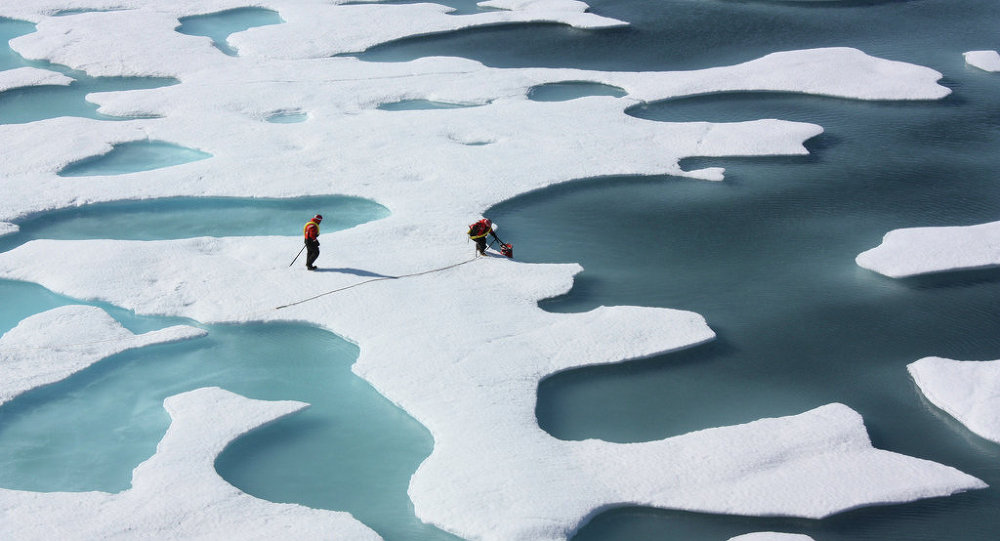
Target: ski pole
297	256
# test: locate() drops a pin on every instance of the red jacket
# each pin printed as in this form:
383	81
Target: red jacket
311	230
480	229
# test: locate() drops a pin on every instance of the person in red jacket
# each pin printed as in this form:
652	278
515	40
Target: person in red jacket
478	232
311	234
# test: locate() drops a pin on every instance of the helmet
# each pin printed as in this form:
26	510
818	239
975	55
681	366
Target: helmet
487	223
318	218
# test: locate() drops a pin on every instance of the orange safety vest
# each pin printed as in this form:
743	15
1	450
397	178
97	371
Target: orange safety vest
479	229
311	230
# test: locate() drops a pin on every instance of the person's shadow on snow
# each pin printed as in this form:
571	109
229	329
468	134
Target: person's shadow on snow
357	272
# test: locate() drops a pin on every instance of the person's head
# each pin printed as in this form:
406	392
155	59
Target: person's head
318	218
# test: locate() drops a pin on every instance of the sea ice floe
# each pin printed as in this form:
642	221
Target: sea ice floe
969	391
328	30
24	77
321	29
53	345
351	147
459	343
771	536
984	60
177	494
922	250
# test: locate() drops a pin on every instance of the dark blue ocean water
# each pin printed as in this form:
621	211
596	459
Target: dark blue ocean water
767	256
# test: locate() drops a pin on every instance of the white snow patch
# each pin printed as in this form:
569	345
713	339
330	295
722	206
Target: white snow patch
24	77
771	536
53	345
922	250
177	494
969	391
984	60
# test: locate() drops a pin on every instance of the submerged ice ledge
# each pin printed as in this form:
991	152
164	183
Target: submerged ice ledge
51	346
177	494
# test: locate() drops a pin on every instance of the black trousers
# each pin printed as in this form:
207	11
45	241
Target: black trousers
312	251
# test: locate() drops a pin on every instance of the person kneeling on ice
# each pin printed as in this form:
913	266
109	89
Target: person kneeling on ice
311	233
478	232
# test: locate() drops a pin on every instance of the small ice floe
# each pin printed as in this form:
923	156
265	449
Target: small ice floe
969	391
771	536
984	60
25	77
922	250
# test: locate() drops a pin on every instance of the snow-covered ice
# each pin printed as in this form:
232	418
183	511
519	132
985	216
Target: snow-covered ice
493	473
177	494
7	228
771	536
969	391
53	345
922	250
984	60
345	146
22	77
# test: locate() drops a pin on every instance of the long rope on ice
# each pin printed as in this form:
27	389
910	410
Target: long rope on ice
376	280
314	297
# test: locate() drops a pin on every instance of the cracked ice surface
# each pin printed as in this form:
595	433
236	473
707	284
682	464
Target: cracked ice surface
493	474
53	345
969	391
177	493
922	250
